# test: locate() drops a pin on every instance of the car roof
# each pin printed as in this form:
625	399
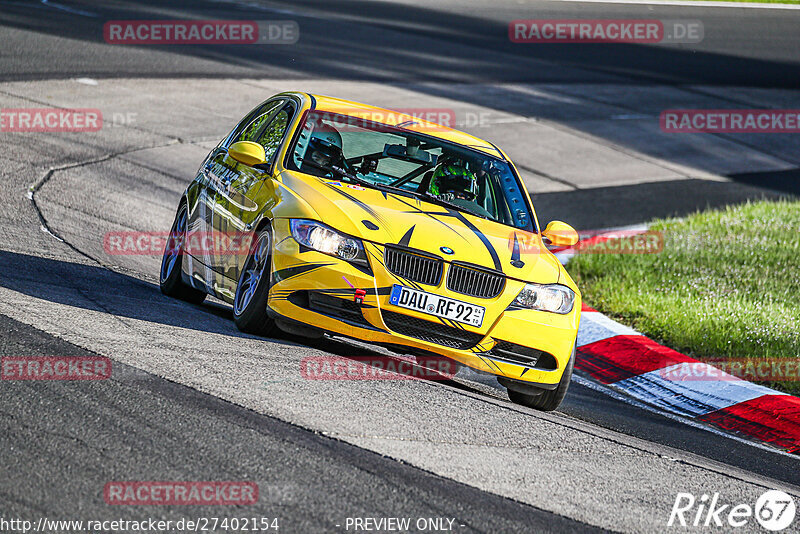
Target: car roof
405	121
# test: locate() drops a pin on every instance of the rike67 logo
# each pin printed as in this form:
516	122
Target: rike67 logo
774	511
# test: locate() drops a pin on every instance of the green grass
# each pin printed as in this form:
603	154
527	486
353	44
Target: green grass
725	285
764	1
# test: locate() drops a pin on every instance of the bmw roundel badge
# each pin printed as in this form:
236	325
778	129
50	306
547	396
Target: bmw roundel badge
447	250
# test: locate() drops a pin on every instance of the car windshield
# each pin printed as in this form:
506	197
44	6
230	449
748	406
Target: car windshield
350	149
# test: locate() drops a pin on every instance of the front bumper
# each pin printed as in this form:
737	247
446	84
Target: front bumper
319	290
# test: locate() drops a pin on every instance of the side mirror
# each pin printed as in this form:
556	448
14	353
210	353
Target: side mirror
560	234
248	152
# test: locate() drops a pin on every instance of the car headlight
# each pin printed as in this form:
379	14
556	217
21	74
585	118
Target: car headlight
325	239
551	298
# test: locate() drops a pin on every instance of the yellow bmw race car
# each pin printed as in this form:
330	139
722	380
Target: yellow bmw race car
383	227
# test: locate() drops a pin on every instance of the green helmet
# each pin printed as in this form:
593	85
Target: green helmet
454	178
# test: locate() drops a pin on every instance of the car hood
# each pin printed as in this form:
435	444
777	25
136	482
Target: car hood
388	218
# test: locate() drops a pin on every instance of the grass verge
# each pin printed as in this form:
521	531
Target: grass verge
725	286
762	1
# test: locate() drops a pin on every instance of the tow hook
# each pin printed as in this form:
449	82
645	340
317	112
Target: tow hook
358	298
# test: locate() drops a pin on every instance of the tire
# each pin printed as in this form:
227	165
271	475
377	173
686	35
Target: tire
546	401
170	279
252	290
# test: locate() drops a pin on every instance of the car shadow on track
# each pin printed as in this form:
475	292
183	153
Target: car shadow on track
99	289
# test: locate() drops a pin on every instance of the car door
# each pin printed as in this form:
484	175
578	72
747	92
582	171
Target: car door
212	181
247	192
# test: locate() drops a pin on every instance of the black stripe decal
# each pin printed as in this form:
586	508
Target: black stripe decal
290	272
429	214
492	252
356	201
406	239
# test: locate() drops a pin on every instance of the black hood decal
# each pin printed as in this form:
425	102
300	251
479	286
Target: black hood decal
406	239
364	206
485	240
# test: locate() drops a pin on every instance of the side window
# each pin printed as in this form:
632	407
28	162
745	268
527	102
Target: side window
251	132
249	128
273	134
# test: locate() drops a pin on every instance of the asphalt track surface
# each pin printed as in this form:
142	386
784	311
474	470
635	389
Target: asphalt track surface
193	399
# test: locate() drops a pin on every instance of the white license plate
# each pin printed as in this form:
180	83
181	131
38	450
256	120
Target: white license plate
445	307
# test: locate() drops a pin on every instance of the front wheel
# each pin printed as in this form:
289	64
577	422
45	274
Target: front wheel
547	401
171	281
252	291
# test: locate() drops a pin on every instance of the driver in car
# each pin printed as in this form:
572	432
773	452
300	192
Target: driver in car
453	182
324	151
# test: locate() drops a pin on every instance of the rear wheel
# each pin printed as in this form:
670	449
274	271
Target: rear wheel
252	291
171	281
547	401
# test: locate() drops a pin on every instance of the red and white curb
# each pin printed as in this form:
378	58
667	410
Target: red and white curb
630	363
625	361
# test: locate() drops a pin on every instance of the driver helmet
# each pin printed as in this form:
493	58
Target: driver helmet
324	146
454	178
